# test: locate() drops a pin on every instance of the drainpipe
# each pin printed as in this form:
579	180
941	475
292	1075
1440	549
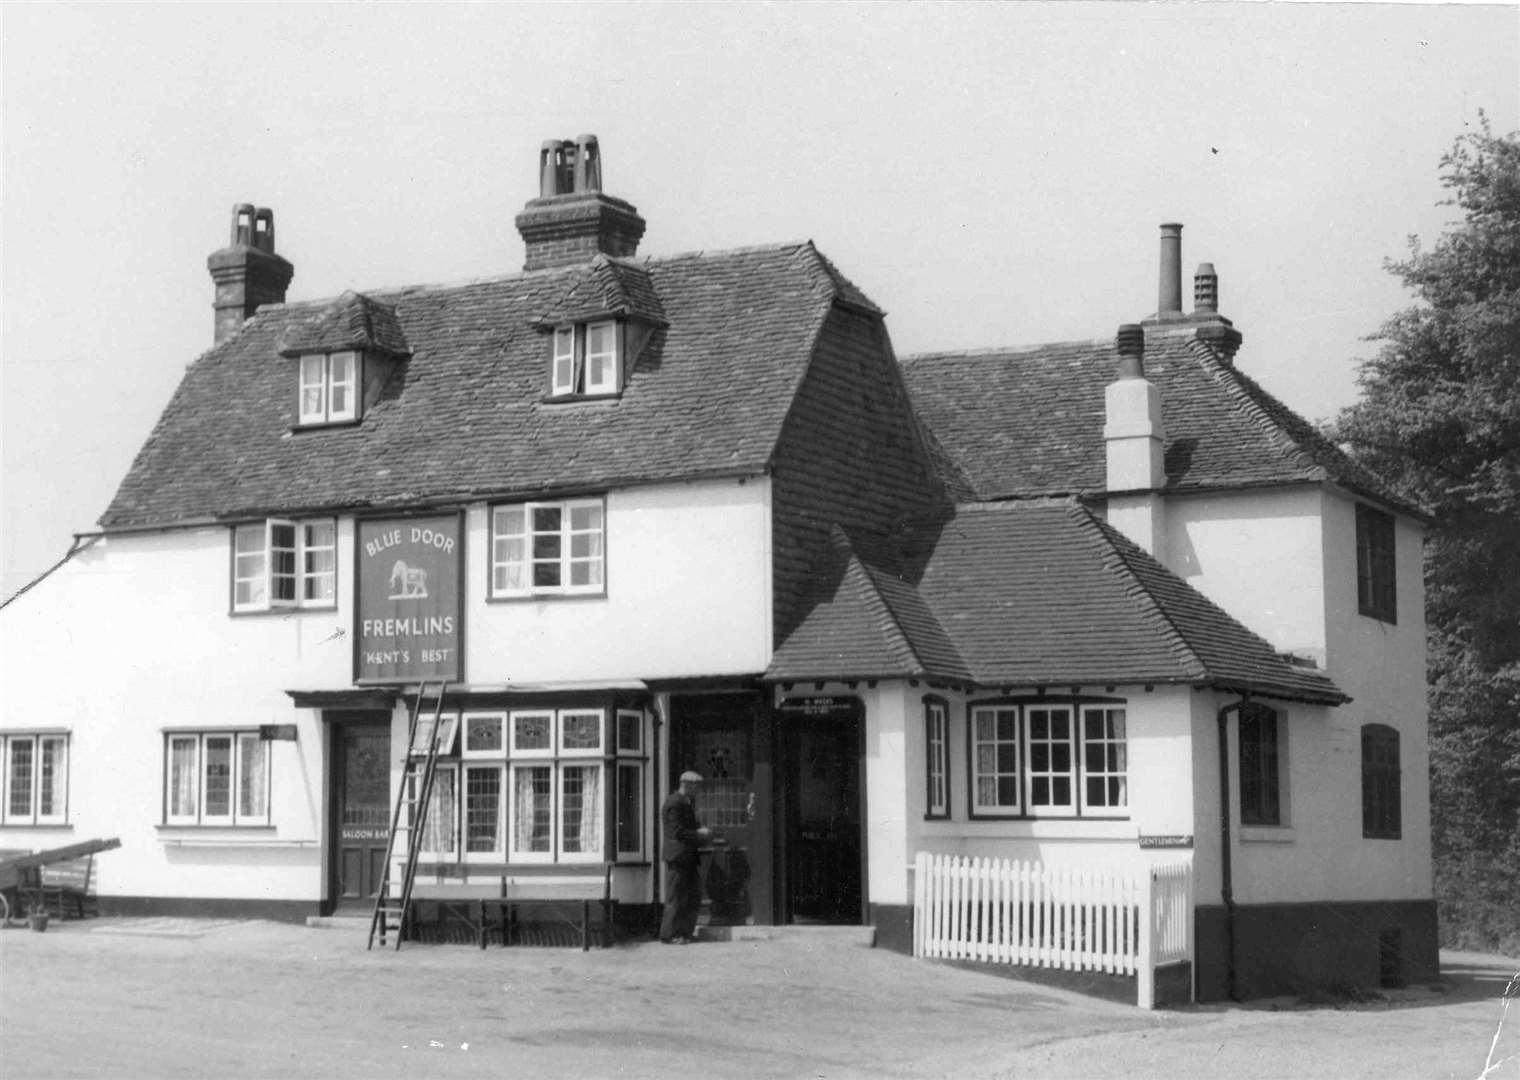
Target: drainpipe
1226	887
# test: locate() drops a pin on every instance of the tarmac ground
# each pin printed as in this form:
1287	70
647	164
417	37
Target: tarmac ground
119	997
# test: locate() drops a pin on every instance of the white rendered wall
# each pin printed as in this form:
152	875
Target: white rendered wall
688	593
1260	556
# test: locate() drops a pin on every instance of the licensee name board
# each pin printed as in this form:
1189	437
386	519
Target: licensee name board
408	619
832	707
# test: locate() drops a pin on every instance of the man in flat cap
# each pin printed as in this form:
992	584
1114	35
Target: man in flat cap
682	837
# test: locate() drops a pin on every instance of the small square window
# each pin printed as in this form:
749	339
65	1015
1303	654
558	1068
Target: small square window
328	388
585	360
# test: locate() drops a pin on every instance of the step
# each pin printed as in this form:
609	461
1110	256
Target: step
862	936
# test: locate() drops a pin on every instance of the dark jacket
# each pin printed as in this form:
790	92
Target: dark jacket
679	825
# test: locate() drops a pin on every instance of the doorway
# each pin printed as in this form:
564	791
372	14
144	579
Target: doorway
825	855
361	812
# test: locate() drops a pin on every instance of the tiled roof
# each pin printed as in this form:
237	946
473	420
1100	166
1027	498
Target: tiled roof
1029	593
1028	422
350	321
864	622
464	416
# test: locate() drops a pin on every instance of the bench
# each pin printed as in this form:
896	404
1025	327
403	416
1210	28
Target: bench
68	884
496	909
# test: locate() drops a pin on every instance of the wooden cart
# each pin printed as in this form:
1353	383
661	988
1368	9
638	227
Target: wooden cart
23	881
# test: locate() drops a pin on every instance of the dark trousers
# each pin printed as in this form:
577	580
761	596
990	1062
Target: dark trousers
683	896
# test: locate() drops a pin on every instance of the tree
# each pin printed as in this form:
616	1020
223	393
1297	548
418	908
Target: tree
1440	418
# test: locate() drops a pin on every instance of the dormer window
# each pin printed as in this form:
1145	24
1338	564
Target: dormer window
329	388
586	359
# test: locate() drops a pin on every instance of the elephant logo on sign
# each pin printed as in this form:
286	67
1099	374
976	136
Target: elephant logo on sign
408	582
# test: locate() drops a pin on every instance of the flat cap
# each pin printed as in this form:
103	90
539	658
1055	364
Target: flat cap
695	777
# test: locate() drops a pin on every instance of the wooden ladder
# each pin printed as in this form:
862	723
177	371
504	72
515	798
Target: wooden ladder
408	823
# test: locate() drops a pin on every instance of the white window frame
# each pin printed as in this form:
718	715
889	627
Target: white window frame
469	767
467	747
237	816
437	807
514	854
514	557
1076	773
573	364
257	572
975	744
1121	808
36	742
448	724
321	377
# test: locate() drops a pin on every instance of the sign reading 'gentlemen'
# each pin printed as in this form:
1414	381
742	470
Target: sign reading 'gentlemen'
409	625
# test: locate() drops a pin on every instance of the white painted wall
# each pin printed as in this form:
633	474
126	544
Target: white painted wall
688	593
133	636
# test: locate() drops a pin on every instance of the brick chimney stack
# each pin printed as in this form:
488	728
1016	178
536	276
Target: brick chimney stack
247	272
572	221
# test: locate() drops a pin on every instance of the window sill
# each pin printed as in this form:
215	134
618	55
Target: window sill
575	399
294	609
1389	617
326	425
1030	829
1266	834
553	597
34	825
226	836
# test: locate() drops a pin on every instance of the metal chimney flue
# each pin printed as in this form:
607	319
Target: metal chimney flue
1169	296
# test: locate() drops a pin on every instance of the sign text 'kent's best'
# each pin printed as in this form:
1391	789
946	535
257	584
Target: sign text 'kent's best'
409	618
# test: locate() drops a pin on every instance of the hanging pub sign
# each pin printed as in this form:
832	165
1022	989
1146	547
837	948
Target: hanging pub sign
409	624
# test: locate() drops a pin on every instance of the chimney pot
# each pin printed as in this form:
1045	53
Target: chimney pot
588	164
1130	344
1169	301
554	168
1206	289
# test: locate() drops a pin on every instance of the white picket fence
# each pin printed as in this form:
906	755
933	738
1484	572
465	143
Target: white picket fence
1126	921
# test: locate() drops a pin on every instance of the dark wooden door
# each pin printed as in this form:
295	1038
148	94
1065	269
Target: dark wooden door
825	855
361	810
722	736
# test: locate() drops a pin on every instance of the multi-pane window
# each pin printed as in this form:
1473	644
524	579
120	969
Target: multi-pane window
1376	594
216	778
284	564
552	548
34	788
1260	768
533	786
937	765
585	359
1056	760
1381	813
329	388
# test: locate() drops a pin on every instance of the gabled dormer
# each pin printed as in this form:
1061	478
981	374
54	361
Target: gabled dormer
343	353
597	329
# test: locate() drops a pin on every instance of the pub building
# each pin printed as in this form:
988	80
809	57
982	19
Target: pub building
1096	602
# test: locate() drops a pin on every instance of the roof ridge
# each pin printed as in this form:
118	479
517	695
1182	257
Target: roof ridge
1106	536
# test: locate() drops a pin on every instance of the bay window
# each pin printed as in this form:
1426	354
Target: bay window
1048	760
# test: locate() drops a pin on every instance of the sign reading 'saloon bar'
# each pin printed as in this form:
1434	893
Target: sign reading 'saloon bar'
409	626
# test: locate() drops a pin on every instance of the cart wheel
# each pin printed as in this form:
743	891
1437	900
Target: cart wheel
5	908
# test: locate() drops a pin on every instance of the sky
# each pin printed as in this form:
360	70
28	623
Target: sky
988	174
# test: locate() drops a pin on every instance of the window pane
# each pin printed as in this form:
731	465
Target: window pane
581	809
282	561
630	809
531	808
1051	759
343	378
22	753
183	776
483	734
253	778
531	732
51	776
630	731
218	776
313	389
438	835
319	561
482	808
249	566
581	731
564	360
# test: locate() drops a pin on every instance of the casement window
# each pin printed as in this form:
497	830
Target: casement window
329	388
284	564
586	360
533	787
1041	760
216	778
1376	576
34	789
548	548
937	758
1261	801
1381	804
